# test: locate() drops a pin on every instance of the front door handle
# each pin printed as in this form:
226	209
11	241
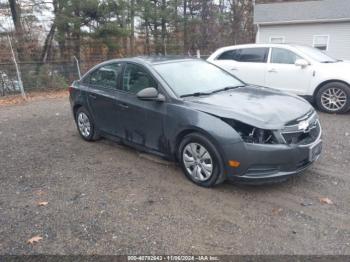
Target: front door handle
272	70
122	105
92	96
234	68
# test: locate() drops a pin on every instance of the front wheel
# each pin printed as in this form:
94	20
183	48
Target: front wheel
334	98
200	160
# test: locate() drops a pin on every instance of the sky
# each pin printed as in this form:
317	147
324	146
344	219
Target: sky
42	12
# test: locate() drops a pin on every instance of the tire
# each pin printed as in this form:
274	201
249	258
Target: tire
85	125
194	144
334	98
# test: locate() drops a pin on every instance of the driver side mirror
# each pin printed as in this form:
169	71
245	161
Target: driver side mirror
302	63
150	93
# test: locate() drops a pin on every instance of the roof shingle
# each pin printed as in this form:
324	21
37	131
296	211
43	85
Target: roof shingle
309	11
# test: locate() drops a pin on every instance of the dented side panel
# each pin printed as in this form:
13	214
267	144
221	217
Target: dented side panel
181	120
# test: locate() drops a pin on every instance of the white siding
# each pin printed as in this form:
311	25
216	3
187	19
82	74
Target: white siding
339	35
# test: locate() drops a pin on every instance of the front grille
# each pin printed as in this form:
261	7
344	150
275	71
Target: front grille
304	132
262	171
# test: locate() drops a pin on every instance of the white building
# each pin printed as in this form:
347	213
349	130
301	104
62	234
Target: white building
324	24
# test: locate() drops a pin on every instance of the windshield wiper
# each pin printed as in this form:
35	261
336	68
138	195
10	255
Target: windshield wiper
212	92
226	88
196	94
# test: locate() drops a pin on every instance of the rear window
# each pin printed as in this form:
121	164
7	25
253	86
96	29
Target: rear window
251	55
105	76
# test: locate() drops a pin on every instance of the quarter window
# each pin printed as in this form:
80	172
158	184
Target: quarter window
135	79
229	55
321	42
106	76
283	56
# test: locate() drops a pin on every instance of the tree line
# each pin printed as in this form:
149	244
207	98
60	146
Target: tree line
117	28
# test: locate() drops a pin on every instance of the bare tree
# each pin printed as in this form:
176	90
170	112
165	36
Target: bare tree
19	33
132	27
49	38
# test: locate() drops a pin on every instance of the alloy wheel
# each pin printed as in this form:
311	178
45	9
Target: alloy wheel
334	99
84	124
198	161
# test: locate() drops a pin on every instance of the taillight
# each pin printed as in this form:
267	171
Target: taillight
70	89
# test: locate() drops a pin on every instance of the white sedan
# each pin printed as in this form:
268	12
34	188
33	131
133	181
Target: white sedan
297	69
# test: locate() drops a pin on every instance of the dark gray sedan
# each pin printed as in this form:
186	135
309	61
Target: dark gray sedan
191	111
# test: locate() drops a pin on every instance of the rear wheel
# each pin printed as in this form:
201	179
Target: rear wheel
200	160
334	98
85	125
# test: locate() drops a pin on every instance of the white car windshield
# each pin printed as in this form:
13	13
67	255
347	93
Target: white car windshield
316	54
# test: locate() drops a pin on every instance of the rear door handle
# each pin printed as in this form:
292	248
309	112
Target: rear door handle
122	105
234	68
272	70
92	96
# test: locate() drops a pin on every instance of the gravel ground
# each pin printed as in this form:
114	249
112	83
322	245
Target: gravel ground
104	198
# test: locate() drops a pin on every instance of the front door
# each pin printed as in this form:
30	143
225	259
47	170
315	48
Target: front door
283	74
141	121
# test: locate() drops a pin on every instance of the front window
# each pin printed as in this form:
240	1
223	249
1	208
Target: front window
136	78
190	77
283	56
316	54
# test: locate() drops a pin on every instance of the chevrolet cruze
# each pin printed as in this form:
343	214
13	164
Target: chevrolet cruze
190	111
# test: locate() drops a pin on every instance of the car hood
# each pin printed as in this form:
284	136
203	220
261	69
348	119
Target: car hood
257	106
339	70
341	65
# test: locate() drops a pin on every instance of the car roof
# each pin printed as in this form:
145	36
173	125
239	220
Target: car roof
153	60
164	59
260	45
146	60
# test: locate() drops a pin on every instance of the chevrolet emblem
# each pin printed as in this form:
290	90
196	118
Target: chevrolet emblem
304	125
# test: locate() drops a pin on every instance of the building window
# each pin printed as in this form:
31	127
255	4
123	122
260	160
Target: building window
321	42
277	39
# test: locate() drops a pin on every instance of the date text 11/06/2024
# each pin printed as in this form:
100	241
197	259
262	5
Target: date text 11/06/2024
172	258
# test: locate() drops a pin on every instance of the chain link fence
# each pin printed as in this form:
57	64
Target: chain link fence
36	75
8	79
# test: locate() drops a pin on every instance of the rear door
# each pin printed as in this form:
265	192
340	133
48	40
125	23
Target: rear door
141	121
283	74
248	64
104	83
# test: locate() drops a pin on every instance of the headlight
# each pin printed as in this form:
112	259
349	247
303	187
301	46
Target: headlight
251	134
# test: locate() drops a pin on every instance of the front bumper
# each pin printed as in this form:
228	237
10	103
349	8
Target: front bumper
269	163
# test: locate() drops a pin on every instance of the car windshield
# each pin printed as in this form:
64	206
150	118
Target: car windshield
196	77
316	54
